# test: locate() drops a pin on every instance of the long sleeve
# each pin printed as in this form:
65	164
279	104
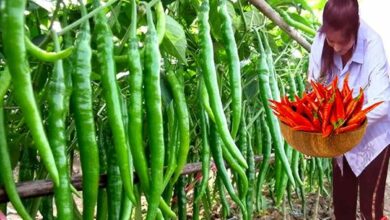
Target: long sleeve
378	88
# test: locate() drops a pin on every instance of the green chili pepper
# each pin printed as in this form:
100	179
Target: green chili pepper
126	207
102	209
154	115
46	208
210	79
112	97
6	174
15	52
205	154
135	107
295	154
239	172
204	96
271	119
57	136
251	173
243	144
264	166
44	55
196	206
234	65
136	110
300	84
222	196
216	151
181	198
171	149
114	181
161	21
84	119
206	201
321	174
271	68
184	125
296	24
283	181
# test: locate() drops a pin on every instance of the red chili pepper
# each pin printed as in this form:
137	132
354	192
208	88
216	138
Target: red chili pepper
339	106
304	94
314	105
316	122
346	88
327	110
304	128
273	102
322	89
360	116
327	130
275	105
359	105
275	110
347	97
318	93
297	118
307	111
287	121
311	95
347	128
299	108
304	98
333	118
286	101
353	104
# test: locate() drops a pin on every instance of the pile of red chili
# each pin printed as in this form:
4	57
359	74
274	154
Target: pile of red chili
326	109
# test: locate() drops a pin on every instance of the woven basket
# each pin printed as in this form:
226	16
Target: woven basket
313	144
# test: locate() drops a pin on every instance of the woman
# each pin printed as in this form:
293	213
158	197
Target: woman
345	44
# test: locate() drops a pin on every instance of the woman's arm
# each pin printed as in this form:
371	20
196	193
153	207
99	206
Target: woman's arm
378	88
314	69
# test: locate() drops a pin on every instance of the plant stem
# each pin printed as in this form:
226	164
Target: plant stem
86	17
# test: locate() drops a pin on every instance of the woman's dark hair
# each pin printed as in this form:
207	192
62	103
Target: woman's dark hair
338	15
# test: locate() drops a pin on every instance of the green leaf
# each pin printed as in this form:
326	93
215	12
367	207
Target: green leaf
301	19
253	19
174	42
47	5
297	3
319	5
187	11
166	96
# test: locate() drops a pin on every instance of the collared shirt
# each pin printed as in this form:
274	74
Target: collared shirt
369	69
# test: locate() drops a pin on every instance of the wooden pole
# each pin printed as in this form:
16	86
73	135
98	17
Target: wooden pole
38	188
269	12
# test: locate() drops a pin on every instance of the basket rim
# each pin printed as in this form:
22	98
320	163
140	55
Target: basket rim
320	134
